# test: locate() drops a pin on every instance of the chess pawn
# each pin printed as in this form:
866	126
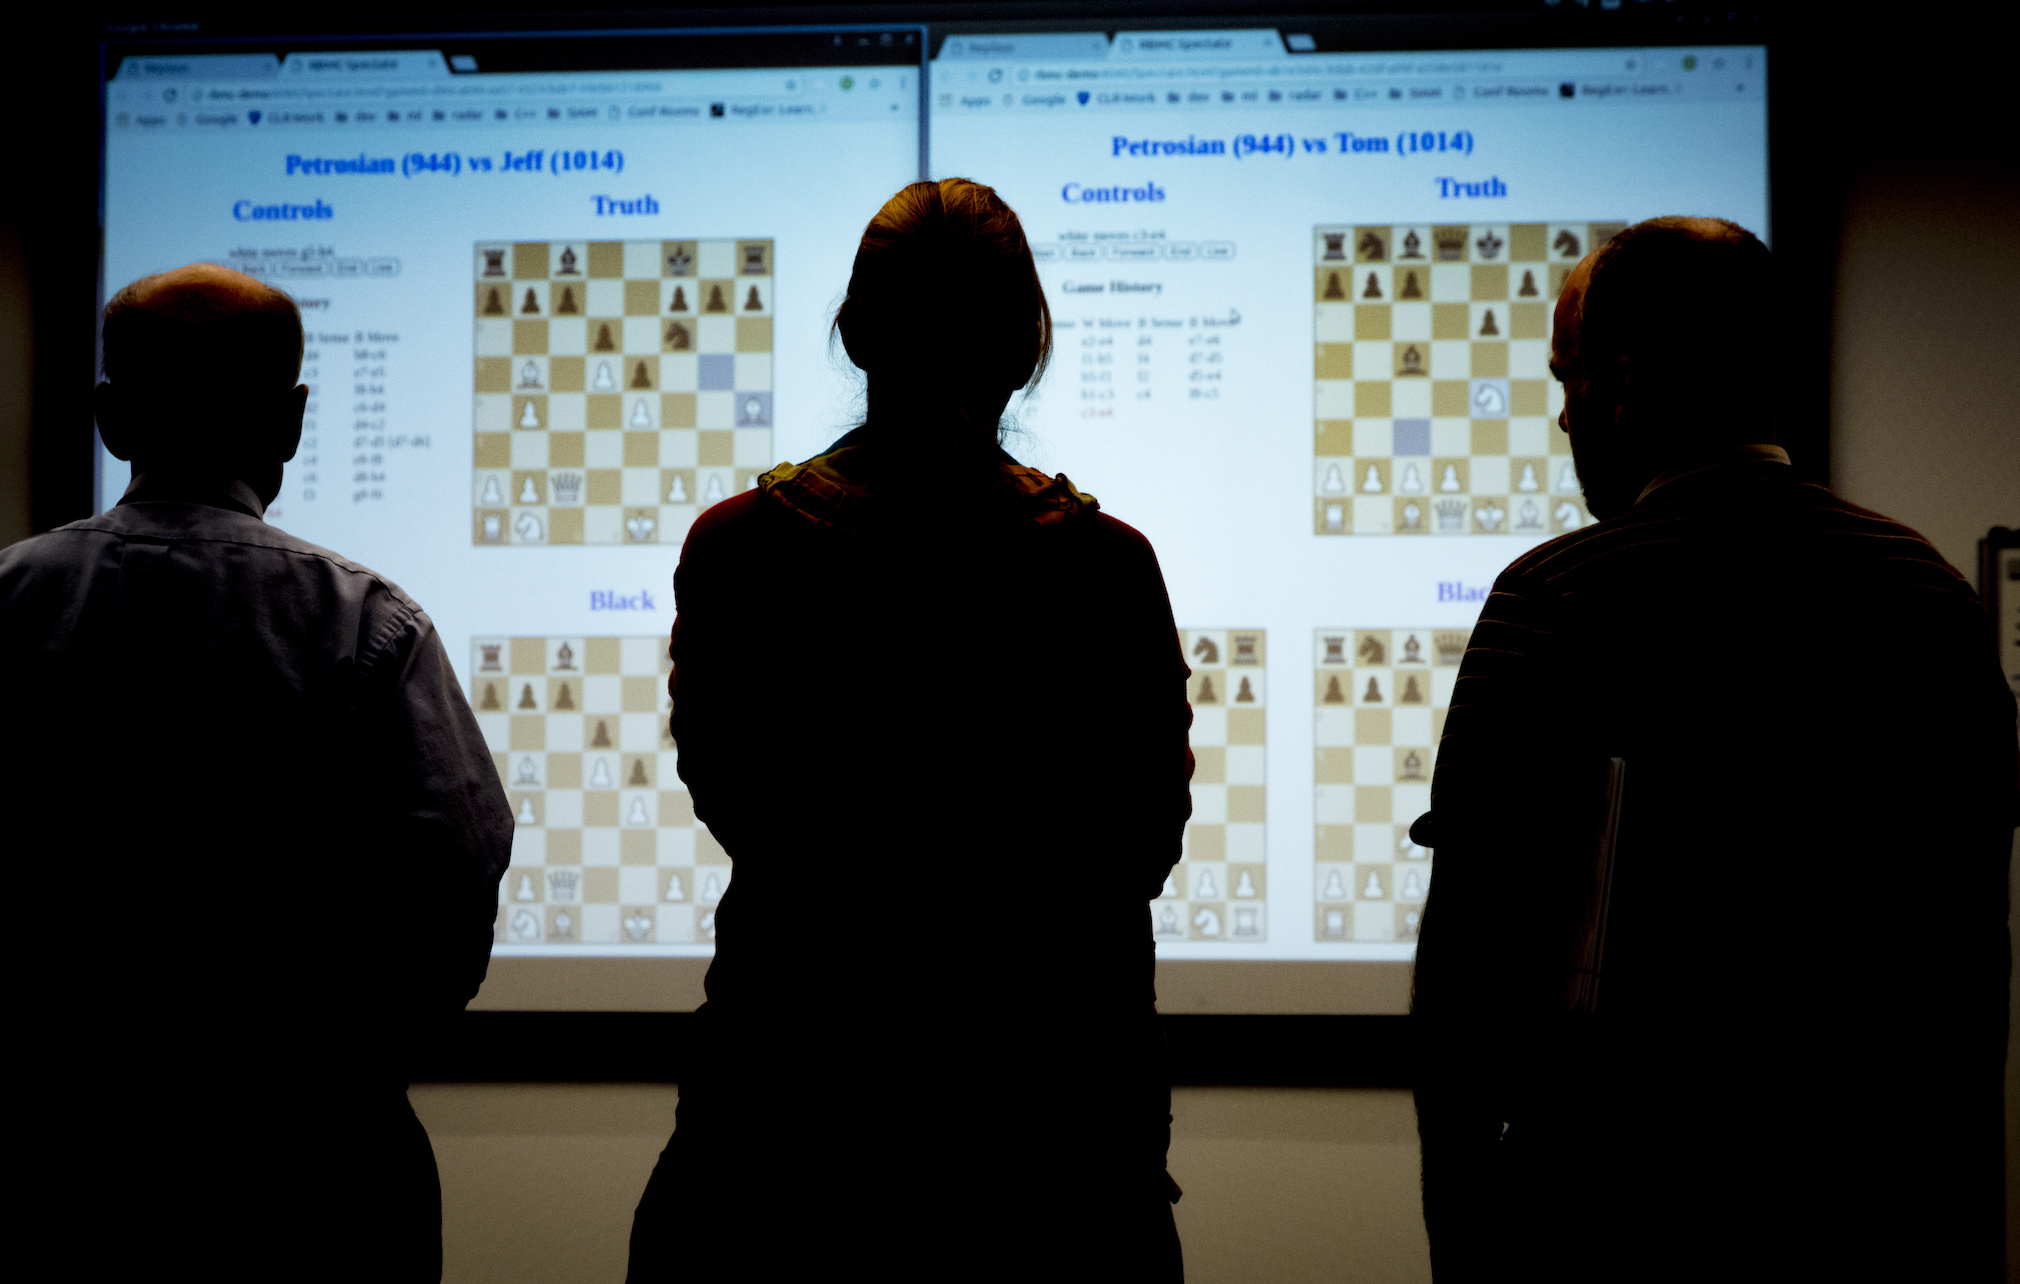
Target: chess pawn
637	816
525	892
529	417
753	303
712	889
1373	695
1488	330
526	816
1204	888
1412	693
1372	483
1334	482
638	780
601	740
604	343
531	307
674	891
1246	887
490	700
1373	289
494	495
1413	481
526	700
1206	691
562	699
1333	290
527	494
1528	290
1333	693
1170	888
493	305
641	377
1244	695
679	303
1450	481
567	308
640	416
599	775
677	493
1413	885
715	300
1567	478
713	492
605	380
1373	891
1336	887
1528	479
1410	290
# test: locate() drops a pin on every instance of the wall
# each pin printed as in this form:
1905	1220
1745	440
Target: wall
1284	1185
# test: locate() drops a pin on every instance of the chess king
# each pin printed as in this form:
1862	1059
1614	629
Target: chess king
247	1043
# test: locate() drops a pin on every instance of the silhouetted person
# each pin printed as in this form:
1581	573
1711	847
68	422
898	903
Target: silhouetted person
1790	1065
931	703
257	835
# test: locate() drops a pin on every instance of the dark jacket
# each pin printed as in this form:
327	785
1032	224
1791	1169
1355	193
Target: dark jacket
1794	1070
257	838
935	712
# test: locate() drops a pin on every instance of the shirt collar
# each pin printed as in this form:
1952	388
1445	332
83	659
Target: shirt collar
230	493
1752	453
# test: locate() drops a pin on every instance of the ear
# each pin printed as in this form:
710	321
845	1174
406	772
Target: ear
288	426
854	342
108	406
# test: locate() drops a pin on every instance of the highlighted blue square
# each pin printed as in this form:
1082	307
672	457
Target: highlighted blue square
1412	437
718	371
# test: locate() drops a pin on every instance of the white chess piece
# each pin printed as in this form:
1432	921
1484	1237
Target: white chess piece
1413	886
1336	923
1490	402
1207	922
1489	516
527	417
1244	921
640	416
599	775
1372	483
637	816
1413	481
677	493
1411	513
528	528
1169	889
1568	516
712	889
707	925
525	926
1373	891
1336	887
1528	481
525	892
1567	478
1334	482
605	381
526	816
494	494
1246	887
673	888
528	775
492	530
1336	517
713	493
529	375
1532	516
528	495
1450	481
1168	921
1204	888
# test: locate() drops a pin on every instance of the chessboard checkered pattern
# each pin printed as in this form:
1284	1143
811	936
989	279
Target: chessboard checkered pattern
606	849
621	386
1380	697
1434	406
1219	889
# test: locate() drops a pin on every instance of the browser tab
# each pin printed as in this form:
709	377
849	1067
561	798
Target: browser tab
1042	48
1163	46
203	66
412	65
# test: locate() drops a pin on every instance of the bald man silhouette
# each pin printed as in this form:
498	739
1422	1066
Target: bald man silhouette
259	830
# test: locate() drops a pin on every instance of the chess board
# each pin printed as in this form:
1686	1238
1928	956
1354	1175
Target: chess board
1380	697
621	387
1219	889
1434	407
606	850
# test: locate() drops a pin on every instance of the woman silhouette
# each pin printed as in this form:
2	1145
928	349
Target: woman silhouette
931	703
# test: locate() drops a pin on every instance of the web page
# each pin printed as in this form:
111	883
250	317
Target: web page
1303	304
552	315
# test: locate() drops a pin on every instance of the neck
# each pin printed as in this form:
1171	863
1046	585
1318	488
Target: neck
197	478
934	418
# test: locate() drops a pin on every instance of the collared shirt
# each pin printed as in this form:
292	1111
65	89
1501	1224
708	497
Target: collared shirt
246	762
1751	453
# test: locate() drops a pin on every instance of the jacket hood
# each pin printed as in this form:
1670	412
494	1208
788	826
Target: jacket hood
878	491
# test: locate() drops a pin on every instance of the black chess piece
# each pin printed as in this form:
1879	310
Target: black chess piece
1333	290
1205	651
567	306
1413	766
601	740
1336	243
1487	327
493	305
641	378
490	700
603	340
679	303
1206	692
526	700
1413	361
564	656
1373	695
1567	243
753	260
637	773
1413	246
562	698
1244	695
1412	693
677	337
532	305
1413	650
1371	651
1371	248
1528	290
715	300
1374	287
567	262
1333	693
753	303
1410	290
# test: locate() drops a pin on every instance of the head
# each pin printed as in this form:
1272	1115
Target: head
944	312
200	370
1662	341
